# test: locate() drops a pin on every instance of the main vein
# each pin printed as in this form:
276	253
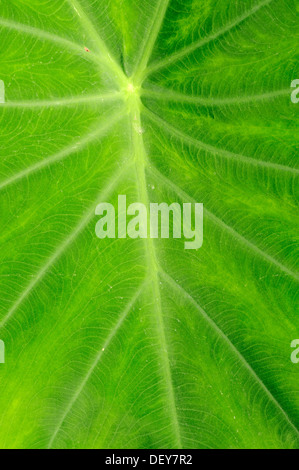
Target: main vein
140	157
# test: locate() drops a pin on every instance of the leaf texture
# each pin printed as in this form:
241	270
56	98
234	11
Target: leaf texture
140	343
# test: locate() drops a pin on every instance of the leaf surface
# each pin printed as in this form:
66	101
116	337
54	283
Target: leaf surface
140	343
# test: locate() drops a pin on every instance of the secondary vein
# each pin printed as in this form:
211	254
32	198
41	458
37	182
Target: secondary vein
94	364
94	35
64	153
237	236
226	339
55	102
202	42
54	38
215	150
84	221
170	95
150	40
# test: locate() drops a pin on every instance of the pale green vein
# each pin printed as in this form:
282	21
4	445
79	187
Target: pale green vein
44	35
203	42
95	363
150	40
140	158
58	102
215	150
226	339
169	95
217	221
84	221
75	147
94	35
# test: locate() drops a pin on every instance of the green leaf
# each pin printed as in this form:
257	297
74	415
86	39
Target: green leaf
123	343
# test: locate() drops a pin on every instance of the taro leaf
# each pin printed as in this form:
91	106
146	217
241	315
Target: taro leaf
123	343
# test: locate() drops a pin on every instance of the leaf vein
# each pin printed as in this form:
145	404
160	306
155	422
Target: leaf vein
66	152
141	161
202	42
72	101
40	34
217	221
169	95
226	339
209	148
150	40
102	48
84	221
95	363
